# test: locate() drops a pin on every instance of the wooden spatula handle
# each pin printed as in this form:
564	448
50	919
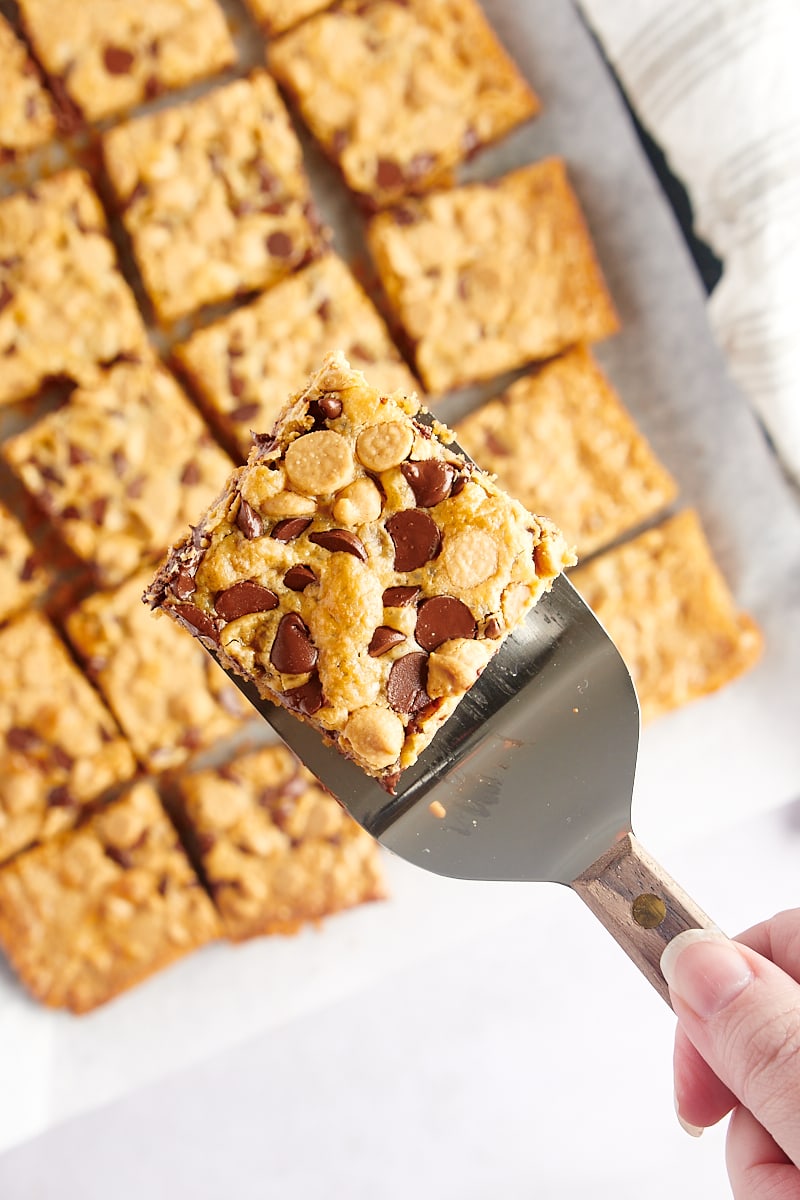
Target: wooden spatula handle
639	904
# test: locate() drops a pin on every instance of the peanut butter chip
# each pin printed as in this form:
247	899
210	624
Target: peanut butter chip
358	503
379	447
319	462
376	735
469	558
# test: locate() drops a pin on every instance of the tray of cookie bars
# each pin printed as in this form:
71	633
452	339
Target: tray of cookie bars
198	201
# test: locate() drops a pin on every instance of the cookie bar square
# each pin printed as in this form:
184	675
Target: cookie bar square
22	579
214	196
27	117
358	571
397	94
487	277
276	849
167	694
667	607
121	467
560	440
64	306
276	16
104	58
99	909
246	365
59	747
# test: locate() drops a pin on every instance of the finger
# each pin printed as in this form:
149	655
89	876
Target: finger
700	1097
778	940
758	1168
742	1013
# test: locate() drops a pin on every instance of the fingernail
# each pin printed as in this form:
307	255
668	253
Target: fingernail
706	970
694	1131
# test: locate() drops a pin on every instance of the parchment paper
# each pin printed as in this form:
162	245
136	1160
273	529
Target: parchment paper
721	759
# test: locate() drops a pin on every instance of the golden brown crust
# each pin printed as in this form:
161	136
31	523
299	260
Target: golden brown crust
276	849
214	196
27	119
121	467
108	57
398	94
59	747
670	612
170	699
561	441
64	306
99	909
22	579
487	277
245	365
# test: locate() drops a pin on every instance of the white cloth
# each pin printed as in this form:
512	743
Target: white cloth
717	84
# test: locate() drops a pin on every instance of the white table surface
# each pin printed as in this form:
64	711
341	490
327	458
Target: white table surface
532	1061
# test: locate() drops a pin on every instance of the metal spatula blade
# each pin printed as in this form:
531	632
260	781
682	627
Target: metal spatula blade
531	778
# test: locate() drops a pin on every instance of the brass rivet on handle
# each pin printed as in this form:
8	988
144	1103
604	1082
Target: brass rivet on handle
648	910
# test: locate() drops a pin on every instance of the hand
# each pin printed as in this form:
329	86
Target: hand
737	1048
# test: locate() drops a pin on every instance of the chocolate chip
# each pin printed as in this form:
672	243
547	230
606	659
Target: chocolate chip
416	538
492	628
429	480
236	384
122	858
22	739
361	352
290	528
494	445
389	174
183	585
293	652
404	216
306	699
245	413
329	407
298	578
248	520
198	620
29	568
61	797
6	295
441	618
61	757
152	87
117	60
460	482
136	487
97	510
244	598
470	141
280	245
190	475
339	539
405	687
324	310
400	597
383	639
77	455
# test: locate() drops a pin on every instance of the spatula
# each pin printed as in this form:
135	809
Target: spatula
530	779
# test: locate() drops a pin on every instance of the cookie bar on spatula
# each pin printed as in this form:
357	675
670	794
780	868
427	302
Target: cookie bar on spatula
360	570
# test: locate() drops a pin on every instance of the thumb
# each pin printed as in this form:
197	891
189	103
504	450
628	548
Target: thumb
742	1013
